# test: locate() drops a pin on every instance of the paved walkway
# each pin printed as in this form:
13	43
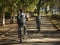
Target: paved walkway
47	35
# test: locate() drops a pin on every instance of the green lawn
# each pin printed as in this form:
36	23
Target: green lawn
55	20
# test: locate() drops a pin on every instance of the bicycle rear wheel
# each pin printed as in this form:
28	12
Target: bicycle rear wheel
21	35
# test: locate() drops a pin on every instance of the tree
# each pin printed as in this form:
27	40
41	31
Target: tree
13	5
3	7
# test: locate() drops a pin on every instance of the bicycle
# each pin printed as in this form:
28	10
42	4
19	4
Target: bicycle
21	33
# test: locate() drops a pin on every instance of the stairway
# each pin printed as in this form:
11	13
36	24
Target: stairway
46	25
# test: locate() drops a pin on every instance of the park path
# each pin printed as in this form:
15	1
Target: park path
47	32
46	24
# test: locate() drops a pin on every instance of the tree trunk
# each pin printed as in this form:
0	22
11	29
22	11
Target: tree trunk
12	18
3	19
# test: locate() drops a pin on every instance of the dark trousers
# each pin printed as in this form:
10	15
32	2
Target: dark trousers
21	31
38	25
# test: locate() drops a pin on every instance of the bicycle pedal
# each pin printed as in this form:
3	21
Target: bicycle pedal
23	38
20	41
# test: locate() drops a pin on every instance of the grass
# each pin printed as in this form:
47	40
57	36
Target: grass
55	21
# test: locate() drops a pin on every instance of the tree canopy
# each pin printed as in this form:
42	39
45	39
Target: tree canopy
28	5
13	5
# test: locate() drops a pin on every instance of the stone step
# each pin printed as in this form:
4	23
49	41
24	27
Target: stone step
47	27
31	27
43	40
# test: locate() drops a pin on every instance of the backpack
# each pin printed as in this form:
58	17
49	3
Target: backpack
20	17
